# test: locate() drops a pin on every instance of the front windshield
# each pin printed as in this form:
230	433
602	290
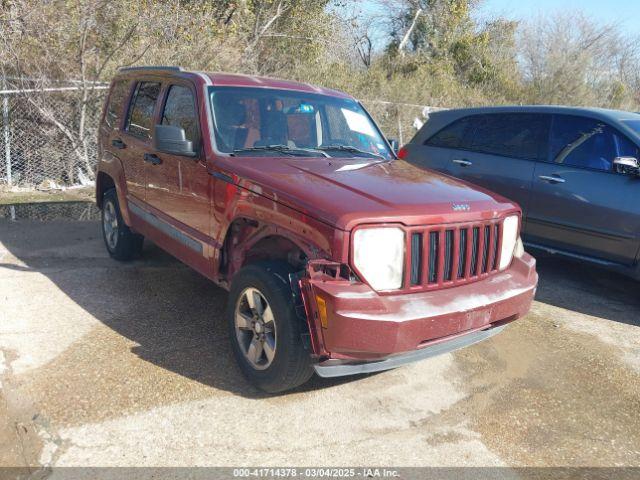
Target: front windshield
254	121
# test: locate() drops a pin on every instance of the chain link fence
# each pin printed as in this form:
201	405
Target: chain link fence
48	136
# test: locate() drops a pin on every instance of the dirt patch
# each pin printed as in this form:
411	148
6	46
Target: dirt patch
542	395
33	196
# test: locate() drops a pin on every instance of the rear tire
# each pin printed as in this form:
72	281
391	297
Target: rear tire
122	244
265	330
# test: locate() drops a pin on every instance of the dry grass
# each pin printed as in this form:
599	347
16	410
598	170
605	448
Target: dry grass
8	196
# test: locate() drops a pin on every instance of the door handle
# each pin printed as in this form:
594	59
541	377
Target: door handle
551	179
152	159
118	143
462	163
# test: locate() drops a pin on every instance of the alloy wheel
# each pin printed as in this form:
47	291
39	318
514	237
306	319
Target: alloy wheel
110	225
255	328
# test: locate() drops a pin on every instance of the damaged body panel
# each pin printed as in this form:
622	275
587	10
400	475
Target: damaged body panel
363	326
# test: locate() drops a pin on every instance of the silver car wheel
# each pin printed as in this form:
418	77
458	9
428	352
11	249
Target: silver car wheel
110	225
255	328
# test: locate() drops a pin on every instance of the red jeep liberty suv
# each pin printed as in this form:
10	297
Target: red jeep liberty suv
339	257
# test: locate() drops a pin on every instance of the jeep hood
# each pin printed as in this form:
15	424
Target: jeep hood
347	192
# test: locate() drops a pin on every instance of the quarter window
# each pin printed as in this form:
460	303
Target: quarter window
180	111
512	135
583	142
116	99
140	120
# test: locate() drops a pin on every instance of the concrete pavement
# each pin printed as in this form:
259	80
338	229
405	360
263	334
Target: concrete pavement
110	364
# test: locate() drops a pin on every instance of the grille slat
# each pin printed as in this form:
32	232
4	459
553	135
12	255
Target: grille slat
448	254
462	253
496	243
433	256
455	258
474	250
441	256
416	258
486	248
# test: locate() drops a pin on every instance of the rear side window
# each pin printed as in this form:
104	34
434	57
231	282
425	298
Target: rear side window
455	135
119	91
139	122
517	135
180	111
583	142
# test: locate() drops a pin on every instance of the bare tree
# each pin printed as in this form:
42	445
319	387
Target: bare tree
569	58
364	47
29	29
79	44
405	39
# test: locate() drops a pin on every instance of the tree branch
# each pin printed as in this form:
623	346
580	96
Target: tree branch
407	35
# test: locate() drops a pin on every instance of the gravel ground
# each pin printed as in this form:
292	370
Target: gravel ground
109	364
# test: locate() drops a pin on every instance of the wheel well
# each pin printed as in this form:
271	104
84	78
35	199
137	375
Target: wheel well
103	183
275	247
249	241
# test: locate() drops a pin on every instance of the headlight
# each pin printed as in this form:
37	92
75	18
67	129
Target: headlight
518	252
378	254
509	239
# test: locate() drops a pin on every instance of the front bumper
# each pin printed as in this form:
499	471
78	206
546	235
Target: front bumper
362	326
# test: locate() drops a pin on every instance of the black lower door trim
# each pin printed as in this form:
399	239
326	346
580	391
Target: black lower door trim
166	228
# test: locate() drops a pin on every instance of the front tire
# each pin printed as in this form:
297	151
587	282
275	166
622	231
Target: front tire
122	244
265	330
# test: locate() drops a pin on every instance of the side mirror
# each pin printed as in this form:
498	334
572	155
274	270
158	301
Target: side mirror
626	165
171	139
394	144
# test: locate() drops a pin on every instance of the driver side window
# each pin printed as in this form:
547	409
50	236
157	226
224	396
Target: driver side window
180	111
583	142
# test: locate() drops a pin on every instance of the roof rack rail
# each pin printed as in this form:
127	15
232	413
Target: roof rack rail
168	68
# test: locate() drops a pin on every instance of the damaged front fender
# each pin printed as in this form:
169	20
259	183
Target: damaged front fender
313	308
349	321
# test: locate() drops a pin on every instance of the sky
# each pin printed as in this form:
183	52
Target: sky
625	13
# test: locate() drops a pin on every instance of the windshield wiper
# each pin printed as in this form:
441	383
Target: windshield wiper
351	149
286	149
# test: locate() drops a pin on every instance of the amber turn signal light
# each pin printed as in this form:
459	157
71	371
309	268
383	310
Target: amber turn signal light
322	311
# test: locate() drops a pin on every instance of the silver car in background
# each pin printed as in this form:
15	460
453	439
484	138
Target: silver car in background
574	171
